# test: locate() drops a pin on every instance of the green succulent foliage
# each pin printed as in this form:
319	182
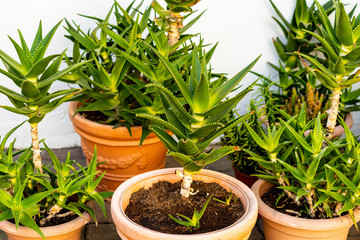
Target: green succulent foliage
296	32
350	100
34	75
194	116
304	19
193	222
295	80
27	196
340	42
180	5
110	84
313	102
270	142
296	37
240	136
320	177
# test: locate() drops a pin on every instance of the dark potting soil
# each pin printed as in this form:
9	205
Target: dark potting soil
286	205
53	221
94	116
151	207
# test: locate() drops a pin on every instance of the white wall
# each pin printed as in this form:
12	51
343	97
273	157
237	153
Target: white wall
243	28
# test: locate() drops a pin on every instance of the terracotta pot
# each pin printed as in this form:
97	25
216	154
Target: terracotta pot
248	180
279	226
66	231
121	153
129	230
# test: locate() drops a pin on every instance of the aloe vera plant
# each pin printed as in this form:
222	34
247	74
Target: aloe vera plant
340	42
304	19
32	199
194	116
195	220
34	75
110	84
322	179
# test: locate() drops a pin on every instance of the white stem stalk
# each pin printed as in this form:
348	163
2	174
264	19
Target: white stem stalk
186	189
36	147
333	113
309	200
53	211
281	181
175	23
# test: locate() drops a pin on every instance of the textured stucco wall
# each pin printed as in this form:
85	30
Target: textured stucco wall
243	29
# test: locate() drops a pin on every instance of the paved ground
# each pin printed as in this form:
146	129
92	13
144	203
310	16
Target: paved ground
106	229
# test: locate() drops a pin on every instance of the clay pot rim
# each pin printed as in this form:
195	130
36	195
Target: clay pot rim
63	228
90	129
295	222
117	211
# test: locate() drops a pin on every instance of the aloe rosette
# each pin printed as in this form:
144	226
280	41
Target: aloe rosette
32	199
34	76
110	84
340	41
193	116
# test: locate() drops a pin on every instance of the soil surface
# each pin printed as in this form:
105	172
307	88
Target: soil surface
94	116
53	221
285	204
151	207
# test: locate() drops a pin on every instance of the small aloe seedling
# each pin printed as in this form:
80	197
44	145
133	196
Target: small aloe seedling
195	220
227	199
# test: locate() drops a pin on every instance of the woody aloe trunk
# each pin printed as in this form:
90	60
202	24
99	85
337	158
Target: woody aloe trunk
34	76
172	19
341	44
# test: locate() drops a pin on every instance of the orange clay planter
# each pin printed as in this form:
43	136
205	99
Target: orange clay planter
279	226
128	230
66	231
121	153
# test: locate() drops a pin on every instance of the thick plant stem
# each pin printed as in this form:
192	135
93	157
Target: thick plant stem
187	179
281	182
36	147
309	200
333	113
53	211
175	23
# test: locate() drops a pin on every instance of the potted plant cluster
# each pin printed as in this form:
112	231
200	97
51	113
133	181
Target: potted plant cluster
113	91
194	117
312	184
40	201
295	86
